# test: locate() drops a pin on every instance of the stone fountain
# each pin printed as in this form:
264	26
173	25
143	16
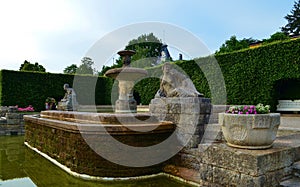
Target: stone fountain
104	144
126	76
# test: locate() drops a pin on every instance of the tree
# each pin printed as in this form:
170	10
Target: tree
293	25
106	68
233	44
276	37
27	66
71	69
86	66
147	48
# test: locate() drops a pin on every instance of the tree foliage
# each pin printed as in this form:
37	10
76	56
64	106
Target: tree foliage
233	44
71	69
276	37
293	25
147	48
27	66
86	66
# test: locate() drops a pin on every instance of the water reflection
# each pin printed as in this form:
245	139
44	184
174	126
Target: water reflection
24	182
18	163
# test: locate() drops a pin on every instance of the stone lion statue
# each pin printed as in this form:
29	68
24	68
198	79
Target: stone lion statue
176	84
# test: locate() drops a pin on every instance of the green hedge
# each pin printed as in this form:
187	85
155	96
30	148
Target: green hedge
31	88
260	75
251	76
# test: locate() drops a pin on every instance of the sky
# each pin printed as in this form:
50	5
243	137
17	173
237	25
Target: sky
58	33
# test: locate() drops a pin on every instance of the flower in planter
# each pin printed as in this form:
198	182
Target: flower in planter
245	109
50	104
249	131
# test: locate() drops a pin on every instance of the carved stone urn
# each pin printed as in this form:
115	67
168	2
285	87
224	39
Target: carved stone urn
126	76
249	131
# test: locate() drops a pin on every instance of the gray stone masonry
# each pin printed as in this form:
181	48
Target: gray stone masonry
3	111
294	179
219	165
190	114
213	132
215	110
11	123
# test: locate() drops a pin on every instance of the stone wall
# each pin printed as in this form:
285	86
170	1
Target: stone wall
66	142
219	165
212	162
11	122
190	114
215	110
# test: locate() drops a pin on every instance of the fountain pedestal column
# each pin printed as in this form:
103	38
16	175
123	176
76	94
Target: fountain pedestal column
126	77
126	102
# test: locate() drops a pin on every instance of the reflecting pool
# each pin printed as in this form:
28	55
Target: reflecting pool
20	166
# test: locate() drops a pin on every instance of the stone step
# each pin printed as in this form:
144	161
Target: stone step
292	182
296	168
212	134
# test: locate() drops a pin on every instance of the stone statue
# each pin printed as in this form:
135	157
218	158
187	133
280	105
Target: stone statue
69	101
176	84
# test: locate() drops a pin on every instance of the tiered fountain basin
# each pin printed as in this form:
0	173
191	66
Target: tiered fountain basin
126	77
75	139
126	74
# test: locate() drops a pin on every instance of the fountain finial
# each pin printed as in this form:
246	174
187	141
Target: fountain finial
126	57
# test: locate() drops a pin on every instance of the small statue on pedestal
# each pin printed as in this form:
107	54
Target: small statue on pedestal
69	101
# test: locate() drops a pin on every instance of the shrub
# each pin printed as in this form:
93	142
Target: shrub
31	88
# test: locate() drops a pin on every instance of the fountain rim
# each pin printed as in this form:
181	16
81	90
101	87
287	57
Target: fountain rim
126	52
125	70
101	128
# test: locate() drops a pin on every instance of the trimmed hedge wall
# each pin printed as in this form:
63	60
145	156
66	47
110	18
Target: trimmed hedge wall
259	75
32	88
251	76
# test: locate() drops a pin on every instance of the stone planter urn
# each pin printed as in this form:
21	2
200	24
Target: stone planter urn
249	131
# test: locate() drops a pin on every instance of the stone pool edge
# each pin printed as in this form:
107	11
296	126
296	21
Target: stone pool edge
95	178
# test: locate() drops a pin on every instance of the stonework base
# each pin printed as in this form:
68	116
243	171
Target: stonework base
190	114
75	140
12	124
220	165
